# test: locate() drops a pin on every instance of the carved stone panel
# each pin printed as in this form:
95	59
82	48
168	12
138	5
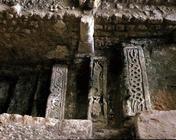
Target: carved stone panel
137	96
97	110
56	99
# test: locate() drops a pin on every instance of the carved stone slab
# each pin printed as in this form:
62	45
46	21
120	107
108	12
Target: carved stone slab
56	99
97	110
137	96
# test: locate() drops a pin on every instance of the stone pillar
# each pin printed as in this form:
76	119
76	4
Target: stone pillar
137	97
86	44
56	100
97	110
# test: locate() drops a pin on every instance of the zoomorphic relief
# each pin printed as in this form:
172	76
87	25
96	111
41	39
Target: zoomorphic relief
97	110
56	99
137	96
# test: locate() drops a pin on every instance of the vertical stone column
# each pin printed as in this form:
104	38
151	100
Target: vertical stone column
137	97
86	44
97	110
56	100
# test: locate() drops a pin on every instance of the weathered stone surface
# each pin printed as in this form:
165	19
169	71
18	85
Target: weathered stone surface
156	125
56	31
97	109
154	2
61	52
50	5
86	44
27	120
161	70
82	128
14	126
137	97
56	100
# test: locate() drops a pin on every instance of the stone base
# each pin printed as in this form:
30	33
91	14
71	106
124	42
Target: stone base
156	125
82	128
14	126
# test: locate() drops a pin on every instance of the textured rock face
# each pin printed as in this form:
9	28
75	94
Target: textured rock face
81	128
36	35
156	125
14	126
26	127
51	5
27	120
161	70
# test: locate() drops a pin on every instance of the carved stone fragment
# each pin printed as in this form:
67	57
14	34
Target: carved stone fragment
56	100
137	96
97	110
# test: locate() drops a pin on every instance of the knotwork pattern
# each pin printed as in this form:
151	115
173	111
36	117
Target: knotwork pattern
135	82
137	92
56	100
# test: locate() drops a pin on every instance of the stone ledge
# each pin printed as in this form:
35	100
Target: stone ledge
26	120
156	125
136	13
144	2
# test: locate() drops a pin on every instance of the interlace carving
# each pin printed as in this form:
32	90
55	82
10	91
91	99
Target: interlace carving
136	82
56	100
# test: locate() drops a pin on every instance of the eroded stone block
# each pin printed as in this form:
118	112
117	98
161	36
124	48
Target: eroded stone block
80	128
156	125
137	97
14	126
16	119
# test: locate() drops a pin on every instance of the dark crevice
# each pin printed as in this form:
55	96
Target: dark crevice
20	85
82	86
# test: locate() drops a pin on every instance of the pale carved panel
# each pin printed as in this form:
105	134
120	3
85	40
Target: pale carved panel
137	98
97	110
56	99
